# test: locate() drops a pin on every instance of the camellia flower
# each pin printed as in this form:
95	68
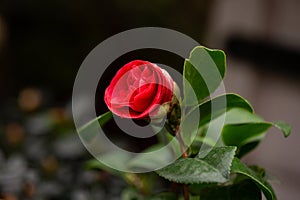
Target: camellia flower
139	90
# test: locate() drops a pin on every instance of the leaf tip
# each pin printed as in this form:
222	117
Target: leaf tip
284	127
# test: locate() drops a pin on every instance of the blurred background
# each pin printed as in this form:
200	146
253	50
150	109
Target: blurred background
43	43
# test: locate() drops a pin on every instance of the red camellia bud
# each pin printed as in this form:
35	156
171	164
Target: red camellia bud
139	90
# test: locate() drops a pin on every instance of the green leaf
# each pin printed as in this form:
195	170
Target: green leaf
102	120
207	167
90	129
241	134
219	157
220	105
208	111
203	71
284	127
245	130
241	116
244	190
191	170
217	106
198	142
246	148
240	168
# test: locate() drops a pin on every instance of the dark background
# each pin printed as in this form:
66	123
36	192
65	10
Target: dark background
47	41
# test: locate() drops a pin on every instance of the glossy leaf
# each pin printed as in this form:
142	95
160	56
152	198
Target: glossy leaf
217	106
245	130
284	127
241	134
90	129
240	168
102	120
191	170
203	113
219	157
246	148
241	116
203	71
207	167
